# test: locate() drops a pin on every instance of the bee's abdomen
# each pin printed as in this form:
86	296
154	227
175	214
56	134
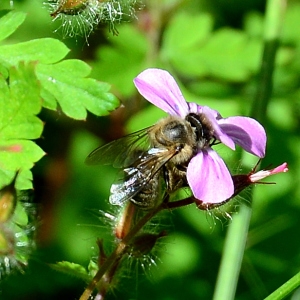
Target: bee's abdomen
149	196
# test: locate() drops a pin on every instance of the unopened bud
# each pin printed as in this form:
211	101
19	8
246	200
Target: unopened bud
70	7
6	242
144	243
8	200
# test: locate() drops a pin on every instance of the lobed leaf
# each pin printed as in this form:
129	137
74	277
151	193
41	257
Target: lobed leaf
9	22
24	179
20	102
72	269
66	82
29	73
45	51
62	82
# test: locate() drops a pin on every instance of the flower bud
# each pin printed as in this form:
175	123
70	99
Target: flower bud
144	243
17	228
7	201
70	7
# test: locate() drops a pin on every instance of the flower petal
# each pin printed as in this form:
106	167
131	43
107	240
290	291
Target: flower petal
247	133
194	107
161	89
209	178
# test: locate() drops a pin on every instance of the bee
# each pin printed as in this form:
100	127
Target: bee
154	157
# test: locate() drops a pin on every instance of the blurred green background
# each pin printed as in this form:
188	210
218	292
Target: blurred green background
213	48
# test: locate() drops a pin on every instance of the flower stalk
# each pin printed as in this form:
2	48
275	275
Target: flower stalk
120	250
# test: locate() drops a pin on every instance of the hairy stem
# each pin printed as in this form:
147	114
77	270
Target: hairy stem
121	249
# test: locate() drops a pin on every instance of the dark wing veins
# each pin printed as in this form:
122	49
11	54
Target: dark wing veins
120	153
139	174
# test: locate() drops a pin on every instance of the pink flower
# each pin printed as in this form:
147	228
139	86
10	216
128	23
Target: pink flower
243	181
255	177
207	174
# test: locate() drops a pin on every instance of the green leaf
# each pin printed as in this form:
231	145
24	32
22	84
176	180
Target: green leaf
9	22
182	40
20	102
3	71
24	179
253	24
227	55
72	269
75	94
122	55
45	51
194	50
181	33
63	82
28	153
49	100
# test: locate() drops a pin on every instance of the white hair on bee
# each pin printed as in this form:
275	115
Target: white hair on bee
81	17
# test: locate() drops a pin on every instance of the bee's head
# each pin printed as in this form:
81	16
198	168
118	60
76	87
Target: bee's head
202	128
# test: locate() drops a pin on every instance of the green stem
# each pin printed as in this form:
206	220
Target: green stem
114	259
119	251
285	289
273	22
237	233
233	255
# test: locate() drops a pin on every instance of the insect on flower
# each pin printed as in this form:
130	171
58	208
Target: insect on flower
177	150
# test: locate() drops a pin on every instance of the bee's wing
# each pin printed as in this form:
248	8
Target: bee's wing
122	152
139	175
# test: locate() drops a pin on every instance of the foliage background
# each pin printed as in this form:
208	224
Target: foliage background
213	48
